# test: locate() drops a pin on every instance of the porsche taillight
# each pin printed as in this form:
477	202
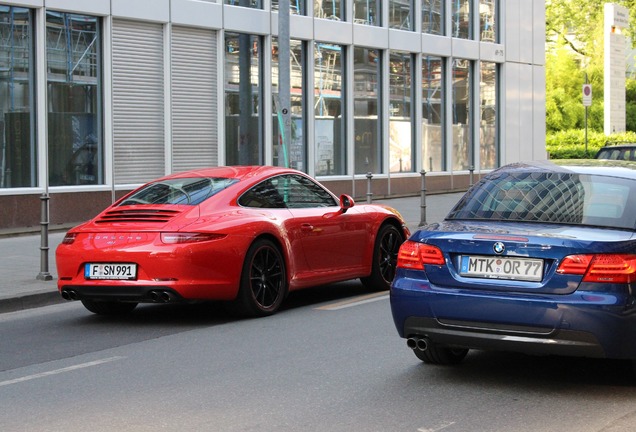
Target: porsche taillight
414	255
604	268
69	238
181	238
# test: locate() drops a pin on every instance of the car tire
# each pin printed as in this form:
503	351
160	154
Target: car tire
263	281
441	355
108	307
385	251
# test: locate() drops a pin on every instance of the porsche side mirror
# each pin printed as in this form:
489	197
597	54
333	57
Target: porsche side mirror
346	202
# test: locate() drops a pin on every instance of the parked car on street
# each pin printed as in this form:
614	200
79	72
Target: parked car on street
537	258
247	235
617	152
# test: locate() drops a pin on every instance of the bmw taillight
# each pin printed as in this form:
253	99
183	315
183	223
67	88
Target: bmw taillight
414	255
604	268
69	238
181	238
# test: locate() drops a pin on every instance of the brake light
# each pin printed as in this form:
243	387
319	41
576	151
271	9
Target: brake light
575	264
603	268
181	238
413	255
69	238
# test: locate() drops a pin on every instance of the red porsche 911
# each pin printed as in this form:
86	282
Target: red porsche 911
247	235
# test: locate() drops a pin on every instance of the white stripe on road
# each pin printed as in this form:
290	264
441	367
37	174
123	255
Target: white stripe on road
356	301
59	371
436	428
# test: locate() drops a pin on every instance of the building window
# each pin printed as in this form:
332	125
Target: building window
489	97
461	111
433	16
296	7
367	12
488	20
330	9
292	153
400	14
74	75
462	19
254	4
400	112
243	123
18	155
329	109
367	127
433	85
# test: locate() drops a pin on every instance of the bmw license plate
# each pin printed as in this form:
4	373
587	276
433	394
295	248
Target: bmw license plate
525	269
110	271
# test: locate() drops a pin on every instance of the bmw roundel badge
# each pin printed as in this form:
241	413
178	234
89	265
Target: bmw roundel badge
499	248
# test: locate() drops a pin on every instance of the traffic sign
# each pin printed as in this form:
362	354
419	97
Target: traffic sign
587	95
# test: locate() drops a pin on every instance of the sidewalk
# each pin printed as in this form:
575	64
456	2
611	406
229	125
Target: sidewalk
20	287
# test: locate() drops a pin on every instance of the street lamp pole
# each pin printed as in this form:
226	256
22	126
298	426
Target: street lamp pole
284	78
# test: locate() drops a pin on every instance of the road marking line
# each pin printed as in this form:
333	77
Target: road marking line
437	428
356	301
59	371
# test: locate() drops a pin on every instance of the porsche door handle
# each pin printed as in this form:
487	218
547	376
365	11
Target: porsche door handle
306	227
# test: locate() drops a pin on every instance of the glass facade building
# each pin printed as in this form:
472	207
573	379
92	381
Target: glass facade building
98	97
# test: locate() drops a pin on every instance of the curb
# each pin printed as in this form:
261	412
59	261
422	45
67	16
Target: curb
30	301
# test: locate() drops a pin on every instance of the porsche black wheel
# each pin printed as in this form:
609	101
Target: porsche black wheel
263	281
108	307
385	251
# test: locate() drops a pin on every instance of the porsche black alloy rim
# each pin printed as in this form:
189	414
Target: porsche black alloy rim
389	247
266	277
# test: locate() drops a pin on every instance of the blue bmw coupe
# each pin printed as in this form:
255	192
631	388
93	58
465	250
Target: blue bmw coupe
537	257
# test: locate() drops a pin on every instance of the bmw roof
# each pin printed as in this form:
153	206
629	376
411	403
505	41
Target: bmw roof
604	167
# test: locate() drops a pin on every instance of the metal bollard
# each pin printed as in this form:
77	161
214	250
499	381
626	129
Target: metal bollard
369	193
472	168
44	240
423	199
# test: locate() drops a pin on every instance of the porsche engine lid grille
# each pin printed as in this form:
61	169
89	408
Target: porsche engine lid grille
137	215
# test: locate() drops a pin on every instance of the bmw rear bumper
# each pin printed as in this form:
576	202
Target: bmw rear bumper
584	323
490	336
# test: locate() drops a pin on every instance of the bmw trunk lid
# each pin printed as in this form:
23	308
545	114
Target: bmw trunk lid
514	257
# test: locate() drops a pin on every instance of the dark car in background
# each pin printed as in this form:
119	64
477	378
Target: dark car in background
617	152
538	258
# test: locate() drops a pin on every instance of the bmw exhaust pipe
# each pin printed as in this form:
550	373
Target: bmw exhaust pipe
418	343
422	344
411	343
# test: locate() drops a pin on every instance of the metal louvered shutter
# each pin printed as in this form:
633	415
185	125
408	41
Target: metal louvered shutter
138	101
194	98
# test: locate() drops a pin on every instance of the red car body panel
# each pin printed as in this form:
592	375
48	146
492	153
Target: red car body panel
320	245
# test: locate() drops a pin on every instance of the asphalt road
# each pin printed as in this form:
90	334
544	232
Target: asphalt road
331	360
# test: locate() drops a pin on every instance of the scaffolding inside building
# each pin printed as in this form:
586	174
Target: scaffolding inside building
432	16
15	98
71	53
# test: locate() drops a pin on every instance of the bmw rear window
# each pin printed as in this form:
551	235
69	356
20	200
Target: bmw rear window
184	191
551	197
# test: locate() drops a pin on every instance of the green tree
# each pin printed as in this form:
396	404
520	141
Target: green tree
574	51
563	83
630	106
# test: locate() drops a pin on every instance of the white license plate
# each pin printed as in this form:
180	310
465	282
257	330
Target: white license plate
526	269
110	271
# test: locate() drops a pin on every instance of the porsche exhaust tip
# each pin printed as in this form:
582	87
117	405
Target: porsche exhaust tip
69	294
158	296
